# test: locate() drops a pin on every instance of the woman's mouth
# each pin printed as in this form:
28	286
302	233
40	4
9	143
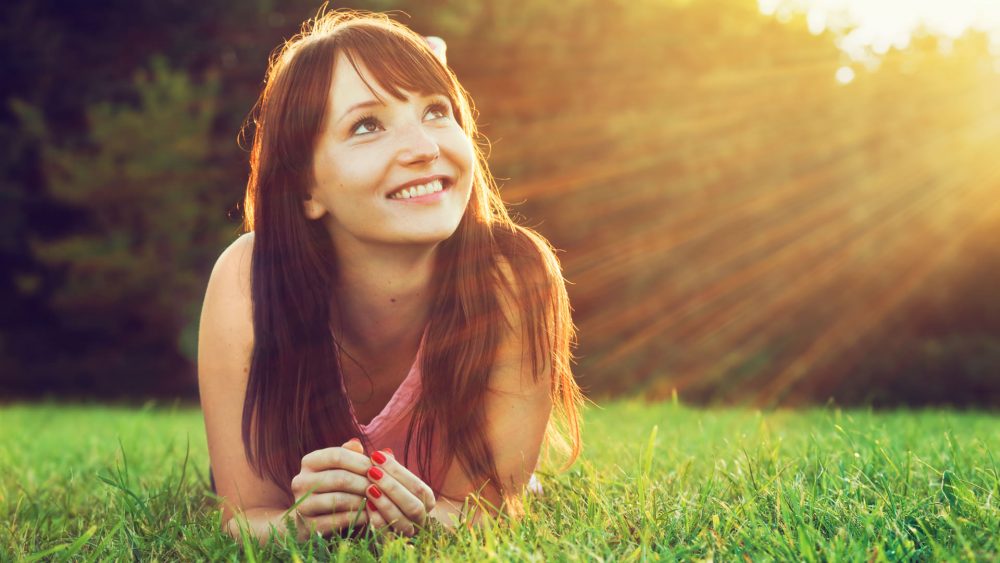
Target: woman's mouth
420	190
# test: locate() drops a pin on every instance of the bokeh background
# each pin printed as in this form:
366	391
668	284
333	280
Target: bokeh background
783	202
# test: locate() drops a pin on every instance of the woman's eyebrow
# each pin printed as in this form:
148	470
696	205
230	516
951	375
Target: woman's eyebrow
360	105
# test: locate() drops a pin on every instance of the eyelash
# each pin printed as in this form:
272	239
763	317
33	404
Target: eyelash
374	123
363	120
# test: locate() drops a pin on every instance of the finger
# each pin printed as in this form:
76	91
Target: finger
332	481
408	503
335	458
329	523
354	445
395	517
404	476
375	519
329	503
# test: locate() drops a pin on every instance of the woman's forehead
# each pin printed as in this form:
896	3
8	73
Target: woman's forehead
353	83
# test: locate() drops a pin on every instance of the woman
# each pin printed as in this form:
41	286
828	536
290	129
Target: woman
384	343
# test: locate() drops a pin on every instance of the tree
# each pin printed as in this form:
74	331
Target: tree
132	277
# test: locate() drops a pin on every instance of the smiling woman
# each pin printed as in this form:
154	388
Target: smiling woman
385	342
368	149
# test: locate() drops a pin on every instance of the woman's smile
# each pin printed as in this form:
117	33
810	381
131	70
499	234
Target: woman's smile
423	190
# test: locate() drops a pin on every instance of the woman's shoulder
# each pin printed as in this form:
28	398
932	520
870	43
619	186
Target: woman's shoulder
527	261
227	313
238	252
531	288
232	269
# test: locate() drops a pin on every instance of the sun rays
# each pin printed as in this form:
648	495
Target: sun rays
738	232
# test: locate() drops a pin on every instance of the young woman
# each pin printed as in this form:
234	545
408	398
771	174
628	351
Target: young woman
384	343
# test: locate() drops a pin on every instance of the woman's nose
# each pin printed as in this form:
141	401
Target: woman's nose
416	146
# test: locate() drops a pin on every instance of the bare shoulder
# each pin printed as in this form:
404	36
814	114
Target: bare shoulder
530	260
228	305
509	295
233	265
530	277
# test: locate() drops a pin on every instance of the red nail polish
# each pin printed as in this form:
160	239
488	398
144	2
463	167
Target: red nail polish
374	492
371	506
390	451
375	473
378	457
358	440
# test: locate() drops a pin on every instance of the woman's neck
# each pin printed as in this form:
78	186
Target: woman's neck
384	294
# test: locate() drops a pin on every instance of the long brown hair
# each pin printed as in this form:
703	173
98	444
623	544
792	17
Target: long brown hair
295	402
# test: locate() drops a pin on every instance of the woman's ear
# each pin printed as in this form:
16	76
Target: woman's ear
312	208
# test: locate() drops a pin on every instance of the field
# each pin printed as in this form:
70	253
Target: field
663	481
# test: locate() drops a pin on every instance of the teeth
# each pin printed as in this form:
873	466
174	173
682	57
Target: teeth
416	191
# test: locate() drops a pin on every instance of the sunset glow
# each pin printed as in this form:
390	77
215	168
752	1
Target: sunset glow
755	227
867	29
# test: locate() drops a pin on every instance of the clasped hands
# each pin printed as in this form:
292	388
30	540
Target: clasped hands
340	488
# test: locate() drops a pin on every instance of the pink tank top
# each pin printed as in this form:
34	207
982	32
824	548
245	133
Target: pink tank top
389	427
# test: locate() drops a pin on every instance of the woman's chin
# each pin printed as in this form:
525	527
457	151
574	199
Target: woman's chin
427	231
426	238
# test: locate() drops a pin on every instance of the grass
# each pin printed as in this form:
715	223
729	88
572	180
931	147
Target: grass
656	482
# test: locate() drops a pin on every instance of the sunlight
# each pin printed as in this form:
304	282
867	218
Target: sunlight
755	226
868	29
845	75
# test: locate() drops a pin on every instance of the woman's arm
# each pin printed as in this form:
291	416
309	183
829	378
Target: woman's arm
518	405
331	480
225	343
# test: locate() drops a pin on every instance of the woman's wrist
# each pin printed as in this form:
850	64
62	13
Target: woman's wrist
451	512
264	522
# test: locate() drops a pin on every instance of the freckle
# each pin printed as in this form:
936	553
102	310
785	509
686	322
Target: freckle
393	299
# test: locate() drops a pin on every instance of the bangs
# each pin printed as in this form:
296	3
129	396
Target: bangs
398	61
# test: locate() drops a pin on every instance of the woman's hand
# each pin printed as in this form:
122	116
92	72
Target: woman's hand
396	497
333	482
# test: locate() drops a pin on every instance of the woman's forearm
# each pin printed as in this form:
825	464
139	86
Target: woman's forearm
261	523
452	512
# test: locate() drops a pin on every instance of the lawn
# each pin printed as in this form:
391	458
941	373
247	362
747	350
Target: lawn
655	482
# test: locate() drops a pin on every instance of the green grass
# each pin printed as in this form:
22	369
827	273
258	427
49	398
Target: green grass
655	482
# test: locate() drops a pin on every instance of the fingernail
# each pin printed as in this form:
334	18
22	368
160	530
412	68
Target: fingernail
358	440
375	473
371	505
378	457
389	450
374	492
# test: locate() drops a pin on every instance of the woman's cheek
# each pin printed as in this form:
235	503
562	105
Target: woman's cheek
460	150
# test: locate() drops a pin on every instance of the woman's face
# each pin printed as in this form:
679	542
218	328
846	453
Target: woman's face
390	171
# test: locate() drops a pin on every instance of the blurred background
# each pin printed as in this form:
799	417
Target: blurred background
774	202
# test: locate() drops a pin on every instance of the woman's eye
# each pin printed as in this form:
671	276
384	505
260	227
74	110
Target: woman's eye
365	125
437	111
